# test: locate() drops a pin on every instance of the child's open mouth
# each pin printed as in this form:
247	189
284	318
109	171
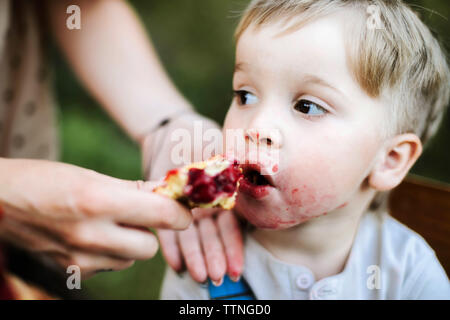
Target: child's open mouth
254	183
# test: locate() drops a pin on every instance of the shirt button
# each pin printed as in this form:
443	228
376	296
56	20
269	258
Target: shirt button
304	281
324	289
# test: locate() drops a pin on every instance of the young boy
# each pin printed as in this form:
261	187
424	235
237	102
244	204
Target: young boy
346	93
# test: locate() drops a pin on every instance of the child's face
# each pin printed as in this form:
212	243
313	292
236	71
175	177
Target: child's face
296	93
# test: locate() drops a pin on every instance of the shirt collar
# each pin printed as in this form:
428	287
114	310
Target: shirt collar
271	278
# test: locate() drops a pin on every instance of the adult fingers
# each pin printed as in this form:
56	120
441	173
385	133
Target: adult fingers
170	248
129	204
192	253
213	250
90	263
231	236
28	237
107	238
146	186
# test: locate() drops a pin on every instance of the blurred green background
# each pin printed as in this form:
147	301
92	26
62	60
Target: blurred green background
194	41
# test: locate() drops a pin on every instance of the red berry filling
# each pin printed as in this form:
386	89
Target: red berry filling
171	173
203	188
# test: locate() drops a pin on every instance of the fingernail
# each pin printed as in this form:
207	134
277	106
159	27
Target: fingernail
217	283
235	278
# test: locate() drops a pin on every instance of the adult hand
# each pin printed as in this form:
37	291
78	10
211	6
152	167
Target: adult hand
213	245
79	217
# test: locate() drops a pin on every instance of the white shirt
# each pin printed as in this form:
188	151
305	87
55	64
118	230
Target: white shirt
387	261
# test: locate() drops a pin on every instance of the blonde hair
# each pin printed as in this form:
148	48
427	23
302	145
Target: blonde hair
400	59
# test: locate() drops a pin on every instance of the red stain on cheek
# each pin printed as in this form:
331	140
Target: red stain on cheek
297	196
304	198
343	205
311	202
275	168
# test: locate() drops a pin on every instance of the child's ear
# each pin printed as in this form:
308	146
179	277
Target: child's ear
394	161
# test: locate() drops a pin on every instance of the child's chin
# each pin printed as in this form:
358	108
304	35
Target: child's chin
268	221
264	218
274	226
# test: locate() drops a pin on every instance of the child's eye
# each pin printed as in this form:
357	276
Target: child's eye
245	97
309	108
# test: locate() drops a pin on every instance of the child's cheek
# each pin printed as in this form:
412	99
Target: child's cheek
309	193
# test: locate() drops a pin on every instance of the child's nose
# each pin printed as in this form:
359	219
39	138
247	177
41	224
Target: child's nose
270	138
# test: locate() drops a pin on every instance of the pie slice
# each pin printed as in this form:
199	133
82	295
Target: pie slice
207	184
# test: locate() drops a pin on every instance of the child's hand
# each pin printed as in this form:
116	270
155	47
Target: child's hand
210	247
158	147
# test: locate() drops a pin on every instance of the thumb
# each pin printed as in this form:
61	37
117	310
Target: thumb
148	186
140	185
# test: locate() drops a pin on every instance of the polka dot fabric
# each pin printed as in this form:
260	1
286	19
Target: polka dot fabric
27	114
